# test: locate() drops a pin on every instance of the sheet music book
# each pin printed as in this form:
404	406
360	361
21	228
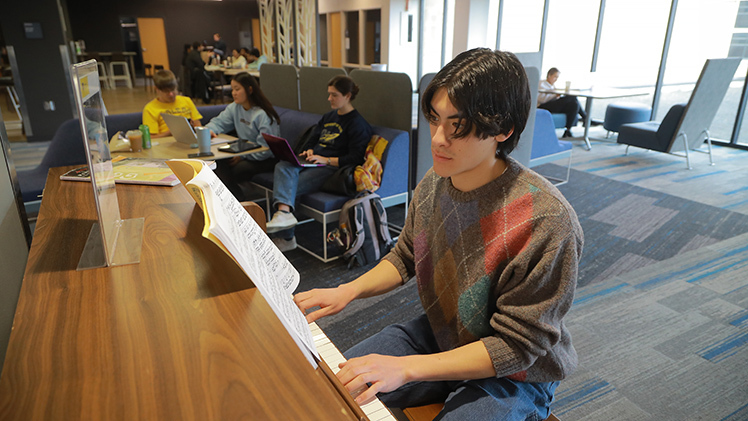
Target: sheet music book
230	227
129	170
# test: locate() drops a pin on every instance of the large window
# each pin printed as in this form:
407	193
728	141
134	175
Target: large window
570	39
702	30
521	25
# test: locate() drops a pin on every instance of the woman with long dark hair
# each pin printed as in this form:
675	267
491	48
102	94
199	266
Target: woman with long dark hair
250	115
341	137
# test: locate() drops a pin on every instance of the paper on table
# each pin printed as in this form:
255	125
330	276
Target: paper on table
229	225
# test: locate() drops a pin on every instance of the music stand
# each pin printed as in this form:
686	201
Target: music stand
112	241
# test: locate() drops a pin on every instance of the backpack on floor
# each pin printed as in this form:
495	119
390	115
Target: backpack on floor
362	231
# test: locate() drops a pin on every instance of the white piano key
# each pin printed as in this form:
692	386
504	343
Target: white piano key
375	410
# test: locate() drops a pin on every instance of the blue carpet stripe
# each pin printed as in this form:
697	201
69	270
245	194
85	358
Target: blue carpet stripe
583	394
736	191
647	168
740	415
742	319
694	177
679	273
736	204
698	278
607	167
583	298
650	176
724	348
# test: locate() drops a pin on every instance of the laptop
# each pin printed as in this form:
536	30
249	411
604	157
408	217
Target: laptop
282	150
183	132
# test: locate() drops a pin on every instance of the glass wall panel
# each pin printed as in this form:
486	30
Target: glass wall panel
570	39
630	51
372	36
351	37
433	21
703	30
521	26
323	38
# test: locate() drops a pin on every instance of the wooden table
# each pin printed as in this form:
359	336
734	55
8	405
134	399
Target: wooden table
182	335
168	148
590	94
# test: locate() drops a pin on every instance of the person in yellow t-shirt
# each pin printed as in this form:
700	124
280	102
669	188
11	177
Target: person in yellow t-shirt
167	101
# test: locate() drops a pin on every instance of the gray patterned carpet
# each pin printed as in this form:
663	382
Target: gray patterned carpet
661	315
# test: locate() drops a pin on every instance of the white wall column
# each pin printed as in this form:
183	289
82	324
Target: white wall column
471	25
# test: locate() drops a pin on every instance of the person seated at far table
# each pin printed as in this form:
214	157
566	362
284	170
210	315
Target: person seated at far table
237	60
255	59
494	249
250	115
565	104
167	101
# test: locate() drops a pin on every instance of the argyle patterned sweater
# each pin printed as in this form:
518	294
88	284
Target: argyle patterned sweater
496	264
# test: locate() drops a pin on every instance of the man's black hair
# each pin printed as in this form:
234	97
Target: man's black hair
490	91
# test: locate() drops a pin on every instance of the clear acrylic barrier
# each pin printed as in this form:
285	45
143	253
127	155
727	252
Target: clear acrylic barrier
112	241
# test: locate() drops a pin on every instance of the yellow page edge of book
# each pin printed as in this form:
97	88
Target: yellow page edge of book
186	170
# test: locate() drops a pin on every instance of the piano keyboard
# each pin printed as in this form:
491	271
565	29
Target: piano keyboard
375	410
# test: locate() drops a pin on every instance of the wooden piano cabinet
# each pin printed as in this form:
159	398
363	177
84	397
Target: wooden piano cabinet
182	335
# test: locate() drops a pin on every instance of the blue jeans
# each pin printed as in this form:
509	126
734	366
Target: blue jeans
290	181
484	399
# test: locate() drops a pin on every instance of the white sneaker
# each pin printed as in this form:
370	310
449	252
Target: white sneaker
281	221
285	245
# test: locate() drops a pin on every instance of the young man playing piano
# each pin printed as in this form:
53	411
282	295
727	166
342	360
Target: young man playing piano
494	248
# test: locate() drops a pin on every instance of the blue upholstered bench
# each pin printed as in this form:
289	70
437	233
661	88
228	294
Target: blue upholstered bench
325	207
616	115
546	147
559	120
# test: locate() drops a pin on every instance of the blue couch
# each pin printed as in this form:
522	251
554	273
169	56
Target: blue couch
325	207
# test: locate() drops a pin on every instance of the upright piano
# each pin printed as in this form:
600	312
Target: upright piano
182	335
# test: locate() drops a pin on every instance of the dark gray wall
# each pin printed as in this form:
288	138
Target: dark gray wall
184	22
41	68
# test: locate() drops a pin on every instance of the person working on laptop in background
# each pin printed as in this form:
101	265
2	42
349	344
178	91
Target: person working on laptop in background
494	248
250	115
341	138
566	104
167	101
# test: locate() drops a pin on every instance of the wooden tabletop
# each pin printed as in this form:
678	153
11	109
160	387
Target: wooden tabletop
231	71
169	148
182	335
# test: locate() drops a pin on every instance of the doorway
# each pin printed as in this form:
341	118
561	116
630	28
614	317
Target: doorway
153	41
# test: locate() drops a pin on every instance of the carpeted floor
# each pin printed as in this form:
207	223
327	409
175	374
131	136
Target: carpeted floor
660	319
